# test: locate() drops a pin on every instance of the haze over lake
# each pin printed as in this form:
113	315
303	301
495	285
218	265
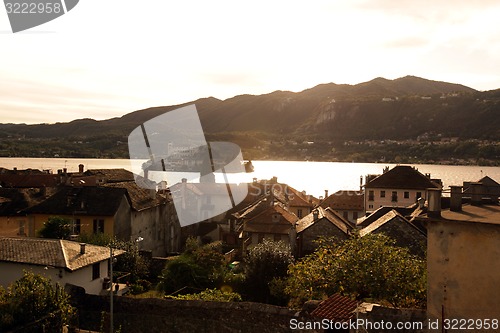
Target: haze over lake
313	177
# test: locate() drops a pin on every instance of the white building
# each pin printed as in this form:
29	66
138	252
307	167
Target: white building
64	262
401	186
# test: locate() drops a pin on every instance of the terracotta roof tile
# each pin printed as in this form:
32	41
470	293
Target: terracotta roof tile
337	308
52	252
345	200
327	214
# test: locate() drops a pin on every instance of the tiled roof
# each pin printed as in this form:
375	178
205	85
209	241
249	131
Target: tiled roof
111	175
29	179
254	209
345	200
381	211
402	177
263	222
337	308
52	252
288	194
14	200
92	201
327	214
402	231
387	217
140	198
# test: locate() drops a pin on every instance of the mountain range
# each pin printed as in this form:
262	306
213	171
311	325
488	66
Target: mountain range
379	109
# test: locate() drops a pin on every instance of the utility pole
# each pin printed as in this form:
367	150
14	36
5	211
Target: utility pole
111	288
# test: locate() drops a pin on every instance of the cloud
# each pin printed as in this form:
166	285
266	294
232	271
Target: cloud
406	42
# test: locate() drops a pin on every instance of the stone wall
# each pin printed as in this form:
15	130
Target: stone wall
161	315
151	315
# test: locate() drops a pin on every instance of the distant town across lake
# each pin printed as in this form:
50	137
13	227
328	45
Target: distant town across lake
312	177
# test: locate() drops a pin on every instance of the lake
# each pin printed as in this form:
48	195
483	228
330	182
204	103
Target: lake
313	177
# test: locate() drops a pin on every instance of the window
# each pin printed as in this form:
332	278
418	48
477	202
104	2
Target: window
354	215
394	196
382	194
96	271
277	237
370	196
419	195
407	195
260	238
346	215
370	206
98	226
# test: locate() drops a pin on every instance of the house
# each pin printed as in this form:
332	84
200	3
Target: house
463	263
400	229
151	217
349	204
320	223
400	186
91	209
13	201
489	188
299	203
268	218
64	262
119	209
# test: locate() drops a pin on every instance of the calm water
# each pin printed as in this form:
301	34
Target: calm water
313	177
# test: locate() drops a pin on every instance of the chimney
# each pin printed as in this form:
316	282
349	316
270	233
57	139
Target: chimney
475	191
421	203
14	168
82	248
65	171
326	194
315	214
80	168
456	198
361	183
434	206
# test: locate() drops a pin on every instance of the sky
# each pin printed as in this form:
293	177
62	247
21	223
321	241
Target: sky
106	58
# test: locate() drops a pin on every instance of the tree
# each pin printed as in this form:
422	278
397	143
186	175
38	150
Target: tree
362	267
56	227
33	302
264	263
130	262
198	267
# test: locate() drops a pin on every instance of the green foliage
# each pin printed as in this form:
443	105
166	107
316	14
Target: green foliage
211	295
99	238
265	262
56	227
130	262
33	299
198	267
362	267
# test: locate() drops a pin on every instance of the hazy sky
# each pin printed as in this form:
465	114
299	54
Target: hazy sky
106	58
